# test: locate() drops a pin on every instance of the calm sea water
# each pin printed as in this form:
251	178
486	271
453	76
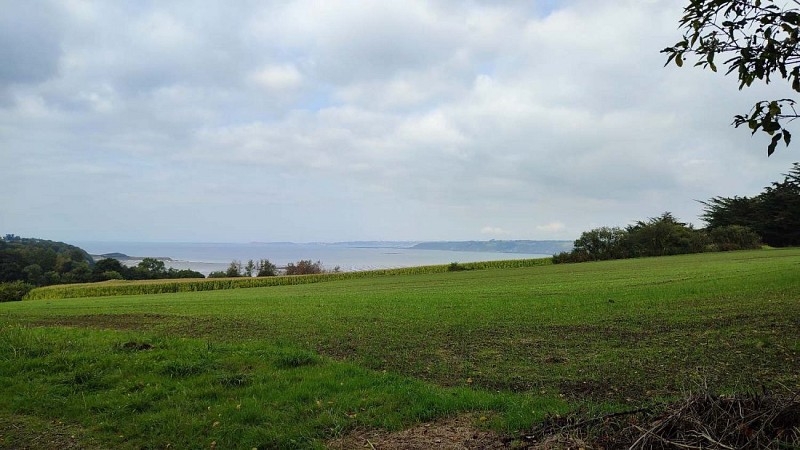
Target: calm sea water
206	258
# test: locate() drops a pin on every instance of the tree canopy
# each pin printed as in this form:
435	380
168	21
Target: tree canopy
41	262
774	214
657	236
758	40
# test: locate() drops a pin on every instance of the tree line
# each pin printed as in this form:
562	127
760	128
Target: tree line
774	213
733	223
147	269
26	263
264	268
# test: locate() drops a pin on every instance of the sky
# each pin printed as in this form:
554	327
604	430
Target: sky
328	120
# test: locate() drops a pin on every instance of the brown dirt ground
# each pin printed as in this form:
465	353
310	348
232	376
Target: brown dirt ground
456	433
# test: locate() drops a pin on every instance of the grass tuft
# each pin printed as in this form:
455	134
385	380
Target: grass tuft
291	358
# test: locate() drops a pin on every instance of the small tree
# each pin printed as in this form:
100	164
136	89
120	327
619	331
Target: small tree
150	268
249	268
664	235
264	268
602	243
234	269
108	265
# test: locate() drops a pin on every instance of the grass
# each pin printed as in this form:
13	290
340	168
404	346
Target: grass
139	390
388	352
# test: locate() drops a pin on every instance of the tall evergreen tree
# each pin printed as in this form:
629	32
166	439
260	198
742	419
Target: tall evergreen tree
774	214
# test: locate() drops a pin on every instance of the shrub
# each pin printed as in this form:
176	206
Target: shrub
658	236
602	243
734	237
14	291
110	275
456	267
575	256
184	273
304	267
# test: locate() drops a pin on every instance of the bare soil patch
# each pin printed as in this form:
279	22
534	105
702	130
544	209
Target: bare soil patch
457	433
24	433
107	321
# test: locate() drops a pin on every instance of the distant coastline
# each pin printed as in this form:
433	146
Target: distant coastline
123	257
498	246
347	256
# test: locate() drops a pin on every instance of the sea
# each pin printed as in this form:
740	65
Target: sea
353	256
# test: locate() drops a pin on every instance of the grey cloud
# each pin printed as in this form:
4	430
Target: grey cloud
30	38
317	120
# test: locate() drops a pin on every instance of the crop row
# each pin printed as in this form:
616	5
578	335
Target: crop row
112	288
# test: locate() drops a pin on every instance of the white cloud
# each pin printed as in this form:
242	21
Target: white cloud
374	119
551	227
494	231
279	78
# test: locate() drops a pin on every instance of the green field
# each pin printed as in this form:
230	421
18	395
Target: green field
128	287
298	365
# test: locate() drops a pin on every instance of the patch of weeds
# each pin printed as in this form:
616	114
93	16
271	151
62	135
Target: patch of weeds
83	377
235	380
290	358
180	368
133	346
139	404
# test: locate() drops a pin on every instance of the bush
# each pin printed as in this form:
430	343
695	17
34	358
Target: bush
110	275
734	237
184	273
14	291
658	236
602	243
217	274
575	256
455	267
304	267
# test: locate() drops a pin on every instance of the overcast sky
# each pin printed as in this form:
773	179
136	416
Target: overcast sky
324	120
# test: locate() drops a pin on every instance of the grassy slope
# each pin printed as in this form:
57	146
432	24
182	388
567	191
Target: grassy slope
620	331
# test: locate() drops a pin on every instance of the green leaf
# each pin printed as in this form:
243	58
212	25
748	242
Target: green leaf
774	108
773	144
679	60
787	137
